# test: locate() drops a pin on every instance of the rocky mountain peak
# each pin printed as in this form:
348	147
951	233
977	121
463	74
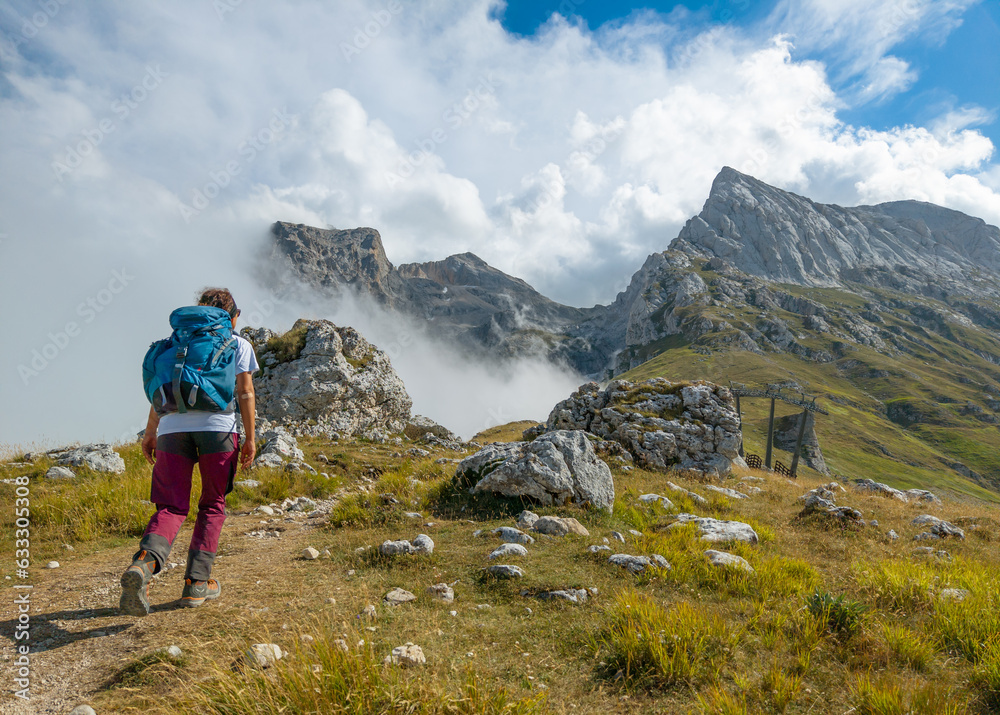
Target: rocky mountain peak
780	236
334	258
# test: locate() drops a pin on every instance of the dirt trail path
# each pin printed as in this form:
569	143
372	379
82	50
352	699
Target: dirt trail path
79	641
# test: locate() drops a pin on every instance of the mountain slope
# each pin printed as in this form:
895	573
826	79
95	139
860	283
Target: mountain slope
889	312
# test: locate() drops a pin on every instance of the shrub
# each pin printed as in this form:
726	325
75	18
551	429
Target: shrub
840	615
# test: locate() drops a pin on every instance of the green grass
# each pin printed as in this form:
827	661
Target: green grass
647	645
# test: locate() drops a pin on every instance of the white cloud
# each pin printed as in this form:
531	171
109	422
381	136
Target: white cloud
856	37
563	159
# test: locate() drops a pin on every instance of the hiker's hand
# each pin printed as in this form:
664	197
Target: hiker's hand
247	452
149	446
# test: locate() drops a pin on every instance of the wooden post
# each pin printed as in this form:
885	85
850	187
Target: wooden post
739	413
798	441
770	436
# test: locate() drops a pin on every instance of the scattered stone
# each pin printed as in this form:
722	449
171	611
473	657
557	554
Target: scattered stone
406	656
266	510
823	492
954	594
816	504
413	515
559	526
171	651
939	527
598	548
300	504
394	548
526	519
885	490
52	565
369	613
504	571
326	553
731	493
331	601
651	498
923	496
556	468
419	426
892	534
635	533
397	597
97	457
926	536
82	710
268	461
417	452
341	645
442	592
618	536
247	483
508	550
718	531
59	473
573	595
638	564
306	638
423	544
693	496
310	554
264	655
721	559
510	535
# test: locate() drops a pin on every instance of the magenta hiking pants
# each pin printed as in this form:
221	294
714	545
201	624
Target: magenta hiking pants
217	456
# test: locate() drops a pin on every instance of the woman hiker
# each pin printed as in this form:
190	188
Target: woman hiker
177	437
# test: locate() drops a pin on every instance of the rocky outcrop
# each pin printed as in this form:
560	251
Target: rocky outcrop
786	433
662	424
96	457
557	468
320	379
418	427
782	237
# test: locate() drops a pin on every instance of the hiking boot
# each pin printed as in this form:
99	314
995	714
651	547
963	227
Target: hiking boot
197	592
135	585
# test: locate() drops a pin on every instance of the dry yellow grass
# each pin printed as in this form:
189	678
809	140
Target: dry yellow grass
696	640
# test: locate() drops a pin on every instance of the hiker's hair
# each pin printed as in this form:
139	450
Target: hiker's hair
218	298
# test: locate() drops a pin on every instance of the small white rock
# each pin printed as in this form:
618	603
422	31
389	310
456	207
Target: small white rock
52	565
406	656
310	554
264	655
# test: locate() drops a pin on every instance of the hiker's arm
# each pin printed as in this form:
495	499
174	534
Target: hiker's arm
248	411
149	437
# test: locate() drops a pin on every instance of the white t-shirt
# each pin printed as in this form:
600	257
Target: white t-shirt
198	421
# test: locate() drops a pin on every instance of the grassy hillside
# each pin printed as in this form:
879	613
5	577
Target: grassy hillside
918	409
830	619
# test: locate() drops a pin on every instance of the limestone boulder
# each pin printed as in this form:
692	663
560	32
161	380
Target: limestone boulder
96	457
661	424
320	379
558	467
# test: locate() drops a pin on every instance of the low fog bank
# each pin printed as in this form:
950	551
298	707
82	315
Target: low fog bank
70	370
465	393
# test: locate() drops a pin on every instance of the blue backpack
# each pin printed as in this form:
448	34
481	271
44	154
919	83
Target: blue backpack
195	368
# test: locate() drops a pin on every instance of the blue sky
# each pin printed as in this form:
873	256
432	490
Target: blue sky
959	70
562	150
